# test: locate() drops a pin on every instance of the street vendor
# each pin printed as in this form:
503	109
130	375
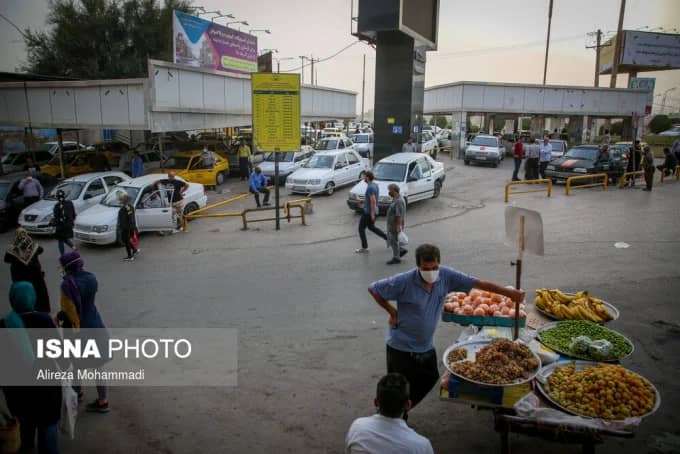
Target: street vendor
420	295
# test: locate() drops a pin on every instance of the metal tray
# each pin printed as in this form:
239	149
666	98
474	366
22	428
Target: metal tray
550	325
610	308
472	348
545	372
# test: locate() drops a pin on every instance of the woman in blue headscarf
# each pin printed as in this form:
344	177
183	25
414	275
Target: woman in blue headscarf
36	407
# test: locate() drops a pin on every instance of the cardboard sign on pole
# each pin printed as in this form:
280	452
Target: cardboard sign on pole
533	229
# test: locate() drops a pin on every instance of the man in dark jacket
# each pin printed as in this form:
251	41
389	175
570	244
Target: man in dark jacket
669	164
127	226
634	160
64	214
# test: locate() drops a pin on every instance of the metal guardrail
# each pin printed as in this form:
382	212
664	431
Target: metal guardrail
244	214
508	185
624	178
570	180
676	174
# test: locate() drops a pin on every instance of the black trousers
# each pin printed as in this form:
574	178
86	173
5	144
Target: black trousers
126	238
420	369
542	166
531	169
264	191
367	223
29	200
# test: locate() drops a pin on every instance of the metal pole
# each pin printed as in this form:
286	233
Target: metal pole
278	66
547	42
312	71
518	273
60	142
160	150
597	57
619	45
302	70
276	188
363	90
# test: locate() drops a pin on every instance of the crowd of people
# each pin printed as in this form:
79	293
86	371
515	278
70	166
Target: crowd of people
38	409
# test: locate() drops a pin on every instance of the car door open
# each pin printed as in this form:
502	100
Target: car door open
153	211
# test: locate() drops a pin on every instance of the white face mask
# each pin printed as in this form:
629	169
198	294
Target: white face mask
429	276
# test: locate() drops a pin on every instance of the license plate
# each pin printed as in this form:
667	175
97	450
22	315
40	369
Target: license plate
481	158
82	236
299	188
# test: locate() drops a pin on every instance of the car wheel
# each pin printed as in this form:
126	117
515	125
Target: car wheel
330	188
219	179
467	163
495	164
189	208
437	189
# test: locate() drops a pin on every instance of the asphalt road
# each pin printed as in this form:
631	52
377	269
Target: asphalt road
311	346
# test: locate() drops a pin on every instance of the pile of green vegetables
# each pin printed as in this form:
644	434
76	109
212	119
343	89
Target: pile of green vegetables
560	339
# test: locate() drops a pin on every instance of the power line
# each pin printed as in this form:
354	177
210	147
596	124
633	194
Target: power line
21	32
323	59
485	50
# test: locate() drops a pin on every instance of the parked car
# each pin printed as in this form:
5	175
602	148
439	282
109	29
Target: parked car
331	132
326	171
445	138
363	144
418	177
75	163
190	166
559	147
53	147
333	143
98	224
289	162
16	160
674	131
485	149
12	198
83	190
150	158
230	152
583	159
427	143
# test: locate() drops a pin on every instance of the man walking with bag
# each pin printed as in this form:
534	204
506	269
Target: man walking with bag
395	224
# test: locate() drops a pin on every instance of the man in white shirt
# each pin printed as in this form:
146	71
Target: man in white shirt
386	431
409	146
545	155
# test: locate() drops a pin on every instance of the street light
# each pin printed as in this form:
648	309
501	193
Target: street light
264	51
208	12
230	16
266	30
242	22
279	60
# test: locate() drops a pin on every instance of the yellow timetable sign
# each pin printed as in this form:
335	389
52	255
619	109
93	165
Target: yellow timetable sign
276	111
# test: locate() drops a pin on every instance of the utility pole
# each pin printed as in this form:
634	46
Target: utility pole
619	45
302	69
363	90
598	45
312	71
547	42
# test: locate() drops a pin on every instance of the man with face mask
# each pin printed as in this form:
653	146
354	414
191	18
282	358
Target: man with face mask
395	223
64	214
419	295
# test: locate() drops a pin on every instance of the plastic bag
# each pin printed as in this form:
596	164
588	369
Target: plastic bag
600	349
69	409
403	239
580	344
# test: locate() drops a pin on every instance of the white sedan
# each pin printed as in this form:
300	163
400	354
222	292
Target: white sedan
153	210
418	177
485	149
289	162
326	171
83	190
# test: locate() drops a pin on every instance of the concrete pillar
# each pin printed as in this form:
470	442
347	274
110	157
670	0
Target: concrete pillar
492	123
462	133
584	128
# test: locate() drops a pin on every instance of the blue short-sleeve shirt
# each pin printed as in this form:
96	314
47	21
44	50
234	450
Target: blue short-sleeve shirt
419	311
371	189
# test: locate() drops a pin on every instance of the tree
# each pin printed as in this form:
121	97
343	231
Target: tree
100	39
526	124
660	123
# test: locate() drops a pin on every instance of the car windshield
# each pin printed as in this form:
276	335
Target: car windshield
283	157
68	158
44	147
582	153
485	141
8	158
327	144
71	189
112	199
361	138
389	171
4	188
177	163
320	162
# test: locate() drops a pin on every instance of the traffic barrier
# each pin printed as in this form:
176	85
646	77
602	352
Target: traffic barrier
676	174
244	214
624	178
604	177
547	181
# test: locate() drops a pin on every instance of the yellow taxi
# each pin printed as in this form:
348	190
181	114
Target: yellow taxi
76	163
195	167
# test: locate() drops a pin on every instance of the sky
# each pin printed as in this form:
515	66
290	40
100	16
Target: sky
484	40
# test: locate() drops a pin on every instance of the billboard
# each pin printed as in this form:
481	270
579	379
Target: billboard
201	43
645	83
643	51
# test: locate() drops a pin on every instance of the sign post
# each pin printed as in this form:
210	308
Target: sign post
276	118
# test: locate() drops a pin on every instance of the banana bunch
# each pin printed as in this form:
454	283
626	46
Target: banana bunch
579	306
